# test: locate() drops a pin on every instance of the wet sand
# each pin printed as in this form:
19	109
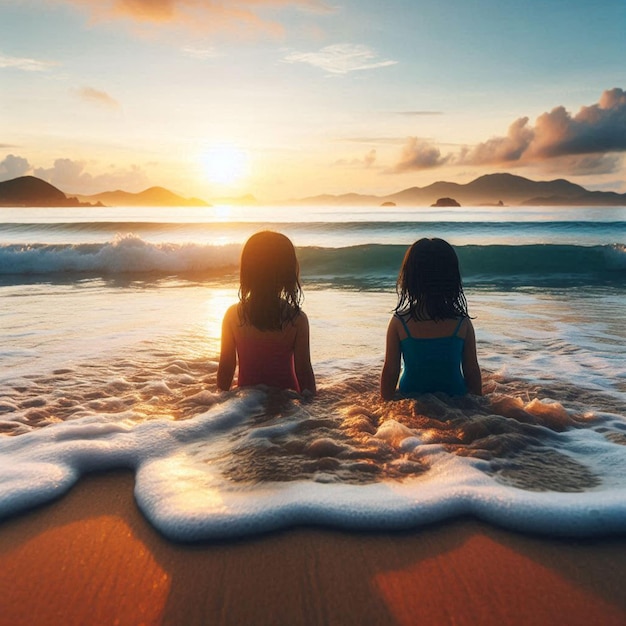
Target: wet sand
92	558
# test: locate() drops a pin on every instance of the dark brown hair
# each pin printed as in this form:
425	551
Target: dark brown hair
429	284
269	285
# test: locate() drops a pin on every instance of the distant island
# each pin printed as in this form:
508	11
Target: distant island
441	202
29	191
490	190
154	196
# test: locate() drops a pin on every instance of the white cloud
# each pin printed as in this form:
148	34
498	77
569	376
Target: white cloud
25	64
341	58
202	54
71	177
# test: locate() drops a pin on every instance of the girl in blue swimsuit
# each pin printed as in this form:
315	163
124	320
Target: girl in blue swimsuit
430	331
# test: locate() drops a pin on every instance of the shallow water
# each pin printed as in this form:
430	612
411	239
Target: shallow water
117	369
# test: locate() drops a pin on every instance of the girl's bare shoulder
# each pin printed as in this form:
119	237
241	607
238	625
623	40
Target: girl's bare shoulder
233	314
395	326
301	319
395	321
467	327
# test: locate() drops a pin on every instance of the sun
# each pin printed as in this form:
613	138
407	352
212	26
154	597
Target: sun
225	164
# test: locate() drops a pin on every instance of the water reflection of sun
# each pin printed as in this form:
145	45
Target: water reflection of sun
223	212
217	302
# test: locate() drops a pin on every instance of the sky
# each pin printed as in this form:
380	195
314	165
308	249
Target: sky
293	98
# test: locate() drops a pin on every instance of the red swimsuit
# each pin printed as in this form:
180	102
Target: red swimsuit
266	361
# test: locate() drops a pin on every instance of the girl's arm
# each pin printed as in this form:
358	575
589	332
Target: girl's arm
391	367
471	369
302	355
228	353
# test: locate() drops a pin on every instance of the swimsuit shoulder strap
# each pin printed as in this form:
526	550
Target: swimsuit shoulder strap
406	328
458	326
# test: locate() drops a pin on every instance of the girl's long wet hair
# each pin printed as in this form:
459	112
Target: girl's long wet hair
429	285
269	285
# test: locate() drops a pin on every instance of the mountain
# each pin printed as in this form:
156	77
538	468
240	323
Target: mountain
154	196
34	192
491	189
596	198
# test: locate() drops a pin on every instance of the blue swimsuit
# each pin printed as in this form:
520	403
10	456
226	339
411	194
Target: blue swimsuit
432	364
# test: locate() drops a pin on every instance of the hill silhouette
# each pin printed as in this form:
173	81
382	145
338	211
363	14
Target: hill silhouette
490	189
30	191
154	196
34	192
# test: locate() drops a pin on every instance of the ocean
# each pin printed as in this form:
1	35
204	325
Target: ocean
110	330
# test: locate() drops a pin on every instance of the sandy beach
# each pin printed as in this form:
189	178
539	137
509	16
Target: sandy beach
91	558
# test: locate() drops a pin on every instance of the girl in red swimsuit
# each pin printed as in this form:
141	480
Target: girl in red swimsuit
266	332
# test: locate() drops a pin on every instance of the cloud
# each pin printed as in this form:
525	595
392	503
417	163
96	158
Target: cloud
13	166
581	144
501	149
584	165
25	64
419	113
215	15
418	154
70	176
387	140
202	54
340	58
596	129
366	162
99	97
370	158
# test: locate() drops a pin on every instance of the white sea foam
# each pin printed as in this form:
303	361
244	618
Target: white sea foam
184	491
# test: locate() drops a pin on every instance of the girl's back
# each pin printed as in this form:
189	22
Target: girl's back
432	353
266	332
430	332
266	357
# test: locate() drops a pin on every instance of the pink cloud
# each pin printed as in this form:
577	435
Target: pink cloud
501	149
418	154
197	14
588	142
596	129
100	97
